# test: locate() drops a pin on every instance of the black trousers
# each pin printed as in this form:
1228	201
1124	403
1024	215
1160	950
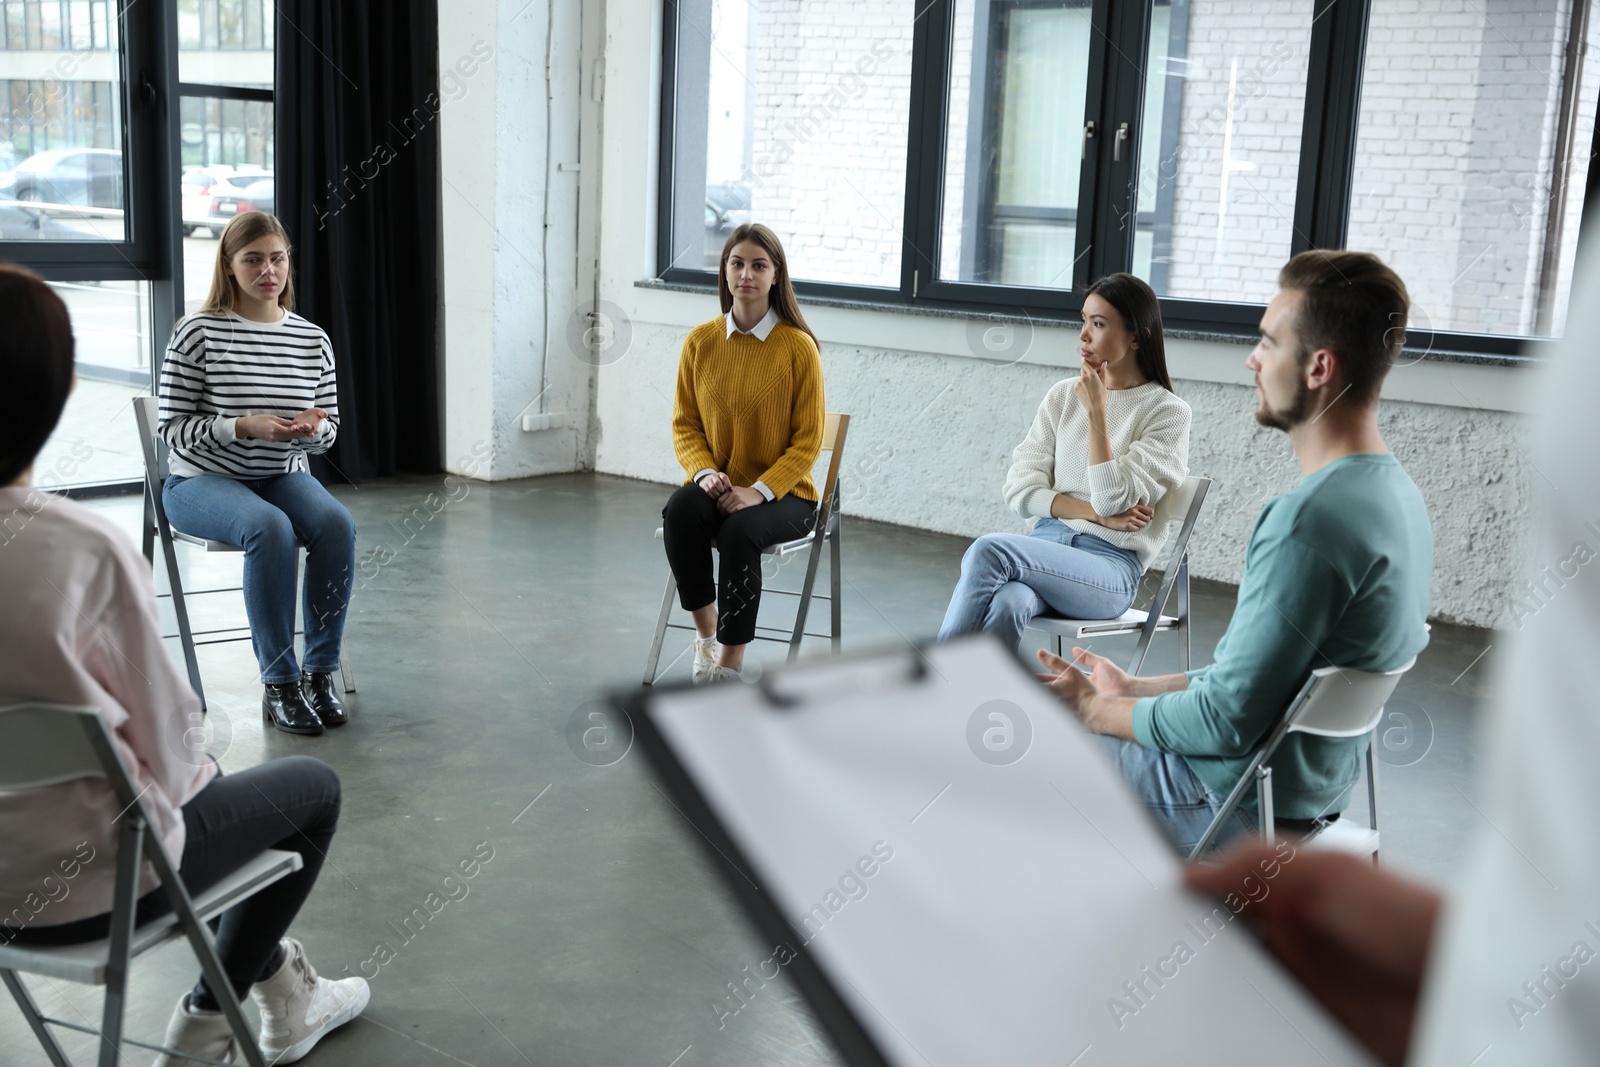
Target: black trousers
290	804
691	521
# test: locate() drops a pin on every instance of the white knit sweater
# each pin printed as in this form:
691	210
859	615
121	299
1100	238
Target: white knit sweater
1149	431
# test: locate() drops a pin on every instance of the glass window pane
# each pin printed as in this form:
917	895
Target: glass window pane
1015	146
95	441
61	166
226	43
809	138
1458	185
1220	149
227	153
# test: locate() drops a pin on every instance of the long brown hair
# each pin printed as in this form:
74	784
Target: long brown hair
240	231
36	351
781	297
1141	315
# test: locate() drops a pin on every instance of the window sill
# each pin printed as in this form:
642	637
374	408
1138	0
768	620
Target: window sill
1409	355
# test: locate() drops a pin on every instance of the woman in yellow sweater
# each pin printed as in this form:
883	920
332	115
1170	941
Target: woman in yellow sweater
746	426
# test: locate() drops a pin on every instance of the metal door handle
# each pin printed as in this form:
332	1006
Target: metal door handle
1088	132
1116	147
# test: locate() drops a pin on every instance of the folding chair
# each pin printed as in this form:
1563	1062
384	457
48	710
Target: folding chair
1182	504
43	744
1334	702
145	413
826	529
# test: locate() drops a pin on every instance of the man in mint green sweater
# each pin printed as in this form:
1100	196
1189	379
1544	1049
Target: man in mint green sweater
1337	572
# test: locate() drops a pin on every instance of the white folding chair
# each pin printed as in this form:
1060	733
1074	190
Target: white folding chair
826	529
44	744
1181	505
145	413
1334	702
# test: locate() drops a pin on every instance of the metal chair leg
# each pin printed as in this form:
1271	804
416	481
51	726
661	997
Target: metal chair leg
835	579
130	840
180	608
205	950
1372	793
1183	611
30	1012
661	630
804	608
345	673
1269	828
147	541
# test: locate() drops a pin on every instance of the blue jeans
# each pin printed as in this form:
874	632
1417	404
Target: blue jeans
1007	579
1179	801
267	517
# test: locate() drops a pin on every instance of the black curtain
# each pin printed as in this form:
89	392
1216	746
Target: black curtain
358	189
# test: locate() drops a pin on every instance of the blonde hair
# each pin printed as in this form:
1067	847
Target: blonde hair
241	231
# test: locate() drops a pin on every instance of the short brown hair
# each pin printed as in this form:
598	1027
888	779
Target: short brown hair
242	230
36	352
1354	306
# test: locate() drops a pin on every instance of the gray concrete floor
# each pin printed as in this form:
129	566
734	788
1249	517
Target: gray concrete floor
598	933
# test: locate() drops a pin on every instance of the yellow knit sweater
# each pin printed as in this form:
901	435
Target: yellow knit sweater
750	408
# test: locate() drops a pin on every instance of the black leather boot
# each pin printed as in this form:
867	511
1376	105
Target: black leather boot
323	697
285	707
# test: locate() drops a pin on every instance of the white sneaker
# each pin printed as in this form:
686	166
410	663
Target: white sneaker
705	658
720	673
298	1009
204	1033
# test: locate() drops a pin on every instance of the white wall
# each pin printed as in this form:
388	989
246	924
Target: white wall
511	284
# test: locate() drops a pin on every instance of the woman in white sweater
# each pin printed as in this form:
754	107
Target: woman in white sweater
1104	448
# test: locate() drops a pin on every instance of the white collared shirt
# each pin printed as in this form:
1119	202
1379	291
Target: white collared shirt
760	332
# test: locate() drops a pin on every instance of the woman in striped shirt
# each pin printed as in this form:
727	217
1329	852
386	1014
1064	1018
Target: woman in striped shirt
247	390
1104	448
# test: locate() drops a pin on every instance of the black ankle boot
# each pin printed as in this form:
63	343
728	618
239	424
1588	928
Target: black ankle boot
323	697
285	707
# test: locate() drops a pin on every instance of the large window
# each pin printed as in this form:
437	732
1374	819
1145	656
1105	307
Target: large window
80	203
1220	163
226	133
1471	163
1012	159
997	154
111	190
61	131
808	137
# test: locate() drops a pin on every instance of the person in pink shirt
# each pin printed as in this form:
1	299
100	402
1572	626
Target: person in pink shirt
80	628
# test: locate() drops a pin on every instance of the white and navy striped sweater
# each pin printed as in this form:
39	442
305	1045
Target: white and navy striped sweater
220	366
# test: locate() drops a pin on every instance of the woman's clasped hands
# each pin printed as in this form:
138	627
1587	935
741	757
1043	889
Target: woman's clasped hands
277	428
729	497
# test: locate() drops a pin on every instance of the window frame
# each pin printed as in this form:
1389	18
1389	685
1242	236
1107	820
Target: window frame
150	250
1115	94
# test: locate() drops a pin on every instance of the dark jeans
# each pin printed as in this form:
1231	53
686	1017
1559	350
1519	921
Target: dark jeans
290	804
691	521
